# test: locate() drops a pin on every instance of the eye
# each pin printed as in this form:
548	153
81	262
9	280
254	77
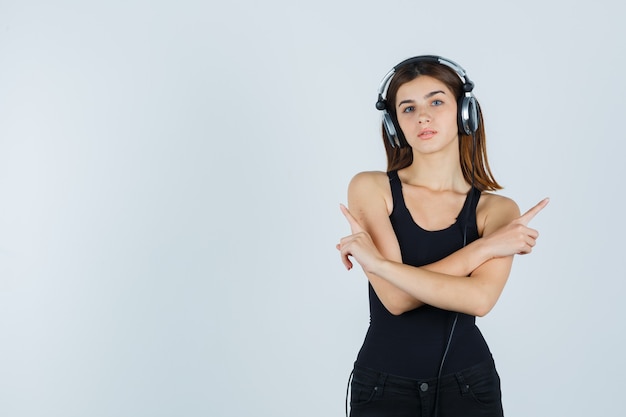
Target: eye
437	103
408	109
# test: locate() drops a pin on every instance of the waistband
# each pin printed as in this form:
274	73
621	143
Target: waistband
363	374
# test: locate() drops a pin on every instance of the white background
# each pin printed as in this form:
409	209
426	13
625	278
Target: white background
170	175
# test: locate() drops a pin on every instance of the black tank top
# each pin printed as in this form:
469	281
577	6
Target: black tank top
412	344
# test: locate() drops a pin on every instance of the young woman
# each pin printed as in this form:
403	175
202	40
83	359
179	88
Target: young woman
436	246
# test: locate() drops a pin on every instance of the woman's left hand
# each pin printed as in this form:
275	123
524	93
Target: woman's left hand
359	245
516	237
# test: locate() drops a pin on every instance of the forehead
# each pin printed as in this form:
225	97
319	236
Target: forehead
421	86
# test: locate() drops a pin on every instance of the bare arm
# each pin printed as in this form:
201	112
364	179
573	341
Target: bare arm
475	295
500	238
369	198
438	284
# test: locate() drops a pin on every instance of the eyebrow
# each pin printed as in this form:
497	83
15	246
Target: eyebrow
427	96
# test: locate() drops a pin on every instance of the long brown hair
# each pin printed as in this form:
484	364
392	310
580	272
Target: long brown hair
478	173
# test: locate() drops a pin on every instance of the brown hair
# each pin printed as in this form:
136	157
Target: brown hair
398	158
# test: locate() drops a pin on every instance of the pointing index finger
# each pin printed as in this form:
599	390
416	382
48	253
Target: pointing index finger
530	214
354	224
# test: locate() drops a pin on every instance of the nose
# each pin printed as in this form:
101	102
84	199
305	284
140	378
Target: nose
423	117
422	112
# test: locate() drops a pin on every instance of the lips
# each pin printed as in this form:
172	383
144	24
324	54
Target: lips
427	134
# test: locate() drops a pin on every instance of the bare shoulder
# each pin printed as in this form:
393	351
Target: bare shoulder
496	204
494	211
368	180
370	188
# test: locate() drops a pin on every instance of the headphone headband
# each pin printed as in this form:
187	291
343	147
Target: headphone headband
468	113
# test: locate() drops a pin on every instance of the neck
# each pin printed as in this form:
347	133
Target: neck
438	171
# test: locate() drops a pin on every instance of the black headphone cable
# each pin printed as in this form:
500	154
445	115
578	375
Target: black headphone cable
456	314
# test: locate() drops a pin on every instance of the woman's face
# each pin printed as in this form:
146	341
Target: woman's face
427	114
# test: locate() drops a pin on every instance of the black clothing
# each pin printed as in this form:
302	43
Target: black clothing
474	391
411	345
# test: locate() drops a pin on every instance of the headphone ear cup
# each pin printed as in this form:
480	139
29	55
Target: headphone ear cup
390	129
468	115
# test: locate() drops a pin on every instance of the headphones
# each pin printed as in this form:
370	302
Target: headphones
467	107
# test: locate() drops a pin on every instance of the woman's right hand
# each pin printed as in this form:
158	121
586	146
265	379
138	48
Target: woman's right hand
516	238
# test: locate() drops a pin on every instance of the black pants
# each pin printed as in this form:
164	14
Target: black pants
474	391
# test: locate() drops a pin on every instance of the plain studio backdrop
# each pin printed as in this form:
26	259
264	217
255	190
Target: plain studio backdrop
170	180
